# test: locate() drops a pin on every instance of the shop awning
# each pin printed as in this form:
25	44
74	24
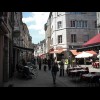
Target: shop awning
57	51
92	41
92	52
42	55
23	48
74	52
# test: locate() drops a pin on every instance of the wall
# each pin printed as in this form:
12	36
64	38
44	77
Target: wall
1	59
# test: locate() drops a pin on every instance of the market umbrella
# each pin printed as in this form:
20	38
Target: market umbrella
84	55
98	56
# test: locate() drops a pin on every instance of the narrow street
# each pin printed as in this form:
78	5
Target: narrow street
44	79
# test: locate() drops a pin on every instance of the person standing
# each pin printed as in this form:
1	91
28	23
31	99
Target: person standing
54	71
61	68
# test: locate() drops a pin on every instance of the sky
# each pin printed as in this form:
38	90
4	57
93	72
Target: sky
35	22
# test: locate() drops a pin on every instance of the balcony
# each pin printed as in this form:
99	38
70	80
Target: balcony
3	26
16	32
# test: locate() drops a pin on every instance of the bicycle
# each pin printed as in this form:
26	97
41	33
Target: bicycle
34	71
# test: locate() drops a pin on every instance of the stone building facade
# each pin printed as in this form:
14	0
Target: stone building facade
6	57
13	41
69	30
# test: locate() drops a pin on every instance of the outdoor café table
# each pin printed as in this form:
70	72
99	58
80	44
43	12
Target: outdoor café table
74	72
89	76
72	68
82	70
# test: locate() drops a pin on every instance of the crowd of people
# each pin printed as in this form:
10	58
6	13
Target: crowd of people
52	65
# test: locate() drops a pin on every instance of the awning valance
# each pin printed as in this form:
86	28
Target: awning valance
57	51
74	52
23	48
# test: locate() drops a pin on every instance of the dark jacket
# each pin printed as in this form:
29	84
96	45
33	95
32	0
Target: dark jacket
55	67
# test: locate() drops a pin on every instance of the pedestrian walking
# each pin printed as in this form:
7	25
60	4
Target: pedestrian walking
45	64
49	64
54	71
39	63
61	68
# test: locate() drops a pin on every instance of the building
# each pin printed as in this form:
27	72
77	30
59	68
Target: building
6	48
98	21
17	37
40	49
94	42
14	40
69	30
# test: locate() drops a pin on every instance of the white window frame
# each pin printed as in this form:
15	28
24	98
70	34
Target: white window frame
59	39
59	24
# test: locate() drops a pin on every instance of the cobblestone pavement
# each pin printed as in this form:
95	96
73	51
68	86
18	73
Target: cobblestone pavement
44	79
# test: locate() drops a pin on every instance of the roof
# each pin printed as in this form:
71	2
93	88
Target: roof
92	41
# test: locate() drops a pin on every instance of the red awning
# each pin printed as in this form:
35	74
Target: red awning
94	40
42	55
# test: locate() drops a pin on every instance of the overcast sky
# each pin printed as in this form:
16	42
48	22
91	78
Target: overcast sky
35	22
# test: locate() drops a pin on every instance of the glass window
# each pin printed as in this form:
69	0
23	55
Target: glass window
95	23
72	23
59	13
86	38
59	38
73	38
59	24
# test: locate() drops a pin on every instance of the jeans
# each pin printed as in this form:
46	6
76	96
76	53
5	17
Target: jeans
61	72
54	76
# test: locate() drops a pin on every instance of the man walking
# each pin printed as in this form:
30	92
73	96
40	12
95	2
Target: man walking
61	68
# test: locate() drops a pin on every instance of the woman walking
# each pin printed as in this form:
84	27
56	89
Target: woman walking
54	71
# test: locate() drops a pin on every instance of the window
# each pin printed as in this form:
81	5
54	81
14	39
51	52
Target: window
58	13
75	12
59	24
52	41
86	38
95	23
83	12
73	38
78	12
59	38
79	23
72	23
84	24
